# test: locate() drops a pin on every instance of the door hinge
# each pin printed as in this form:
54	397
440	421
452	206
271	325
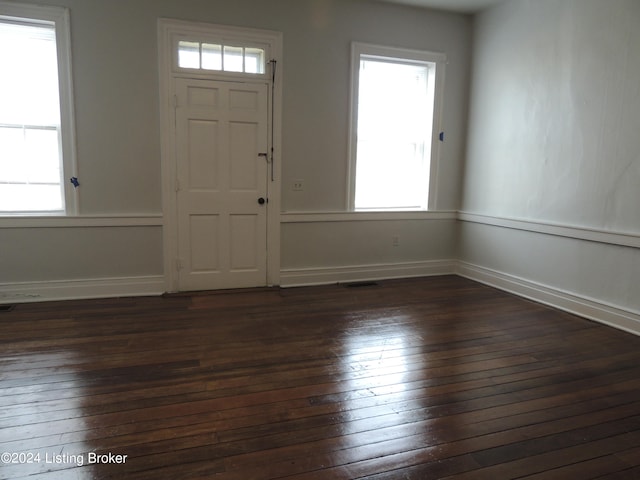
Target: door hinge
177	185
179	265
175	101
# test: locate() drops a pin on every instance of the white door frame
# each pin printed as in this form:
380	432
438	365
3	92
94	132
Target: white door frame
168	31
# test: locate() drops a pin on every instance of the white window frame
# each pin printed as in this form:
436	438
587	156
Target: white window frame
359	50
223	43
224	35
60	18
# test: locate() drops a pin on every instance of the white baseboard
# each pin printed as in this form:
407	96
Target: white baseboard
607	314
296	277
85	288
592	309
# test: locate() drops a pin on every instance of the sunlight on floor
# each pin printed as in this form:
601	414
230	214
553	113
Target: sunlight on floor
48	390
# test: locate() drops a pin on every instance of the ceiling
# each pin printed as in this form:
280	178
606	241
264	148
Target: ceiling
464	6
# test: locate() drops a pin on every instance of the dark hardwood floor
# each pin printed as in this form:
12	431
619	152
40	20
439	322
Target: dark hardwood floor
428	378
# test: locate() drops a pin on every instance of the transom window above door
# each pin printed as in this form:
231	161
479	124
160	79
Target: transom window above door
195	55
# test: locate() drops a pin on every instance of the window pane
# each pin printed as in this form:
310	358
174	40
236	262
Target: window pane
29	162
29	81
254	60
233	57
188	54
42	156
30	198
30	142
395	184
12	165
393	136
211	56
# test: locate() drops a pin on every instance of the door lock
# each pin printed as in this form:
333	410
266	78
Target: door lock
262	200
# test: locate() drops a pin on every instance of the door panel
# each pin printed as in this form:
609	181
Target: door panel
244	232
242	99
202	154
243	140
204	254
204	97
221	127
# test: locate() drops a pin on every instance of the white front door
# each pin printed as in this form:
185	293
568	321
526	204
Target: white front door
221	153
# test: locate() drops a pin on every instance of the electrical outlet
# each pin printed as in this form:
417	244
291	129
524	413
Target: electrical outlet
395	240
297	185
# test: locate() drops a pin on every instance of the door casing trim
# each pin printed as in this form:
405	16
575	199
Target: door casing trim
167	30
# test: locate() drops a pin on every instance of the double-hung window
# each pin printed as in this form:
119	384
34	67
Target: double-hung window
36	125
394	117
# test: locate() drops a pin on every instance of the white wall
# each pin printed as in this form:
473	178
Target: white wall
335	247
554	120
553	144
550	197
316	110
115	74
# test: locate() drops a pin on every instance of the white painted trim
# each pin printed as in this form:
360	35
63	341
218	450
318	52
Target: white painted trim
167	153
23	292
423	56
310	217
294	277
626	239
275	182
608	314
83	221
225	34
167	29
60	17
67	113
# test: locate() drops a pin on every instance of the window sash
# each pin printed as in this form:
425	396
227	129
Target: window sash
393	124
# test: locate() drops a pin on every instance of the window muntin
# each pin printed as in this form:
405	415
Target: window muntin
392	128
220	57
35	124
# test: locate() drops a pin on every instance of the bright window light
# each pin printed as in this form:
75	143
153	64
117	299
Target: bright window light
233	59
226	58
392	132
254	60
189	54
30	128
211	56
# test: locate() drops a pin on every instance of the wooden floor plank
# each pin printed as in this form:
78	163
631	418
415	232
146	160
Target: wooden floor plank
437	377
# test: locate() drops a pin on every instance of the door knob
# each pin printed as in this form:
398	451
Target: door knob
262	201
